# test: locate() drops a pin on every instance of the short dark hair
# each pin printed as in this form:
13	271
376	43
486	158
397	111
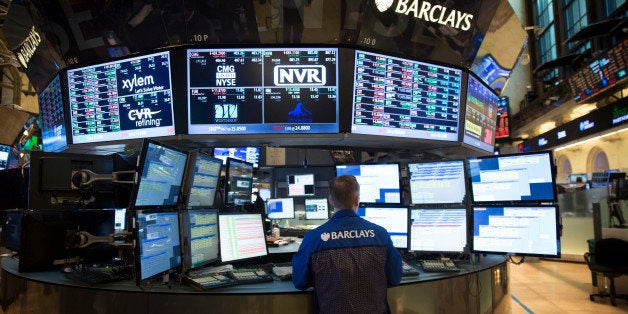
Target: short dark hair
342	191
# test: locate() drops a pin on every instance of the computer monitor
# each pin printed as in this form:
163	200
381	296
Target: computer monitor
316	208
393	218
300	184
239	186
203	177
442	230
247	153
5	151
12	229
119	218
280	208
480	119
241	237
157	249
522	230
200	237
573	178
379	183
439	182
517	178
160	176
52	117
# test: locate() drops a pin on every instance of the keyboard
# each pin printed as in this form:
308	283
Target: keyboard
250	275
408	270
439	265
96	275
283	272
293	232
210	281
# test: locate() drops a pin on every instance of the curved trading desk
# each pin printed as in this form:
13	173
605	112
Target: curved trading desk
475	289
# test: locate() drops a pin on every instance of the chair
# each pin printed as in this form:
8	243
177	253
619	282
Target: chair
610	258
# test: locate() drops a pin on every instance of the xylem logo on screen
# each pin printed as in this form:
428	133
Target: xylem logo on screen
144	117
130	84
299	75
425	10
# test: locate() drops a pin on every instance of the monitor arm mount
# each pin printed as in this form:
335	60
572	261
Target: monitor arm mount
84	177
83	239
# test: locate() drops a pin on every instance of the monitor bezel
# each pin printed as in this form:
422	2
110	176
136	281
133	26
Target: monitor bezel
513	202
227	187
281	198
261	220
189	180
186	242
317	198
399	181
466	249
463	113
389	205
141	160
304	194
558	231
464	179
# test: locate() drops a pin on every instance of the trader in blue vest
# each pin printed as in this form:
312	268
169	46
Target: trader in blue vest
349	261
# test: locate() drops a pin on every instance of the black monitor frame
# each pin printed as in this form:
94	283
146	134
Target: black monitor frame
399	184
228	174
464	179
186	238
188	180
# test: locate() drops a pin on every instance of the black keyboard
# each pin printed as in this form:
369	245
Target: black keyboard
96	275
439	265
407	270
250	275
293	232
210	281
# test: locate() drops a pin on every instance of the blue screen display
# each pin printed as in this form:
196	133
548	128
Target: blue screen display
379	183
52	117
159	247
248	154
161	176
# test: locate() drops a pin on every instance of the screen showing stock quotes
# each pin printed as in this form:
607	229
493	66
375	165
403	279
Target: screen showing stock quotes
405	98
123	99
52	117
271	90
481	115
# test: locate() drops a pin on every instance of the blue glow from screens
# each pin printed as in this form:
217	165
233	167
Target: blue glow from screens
203	236
158	242
239	182
205	181
52	117
379	183
514	178
5	152
530	230
241	237
440	182
316	208
162	175
438	230
393	219
480	116
248	154
123	99
280	208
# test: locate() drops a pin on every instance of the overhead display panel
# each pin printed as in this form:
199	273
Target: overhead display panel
480	116
52	117
263	91
404	98
124	99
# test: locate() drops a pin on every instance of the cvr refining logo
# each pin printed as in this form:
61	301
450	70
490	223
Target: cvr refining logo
144	117
428	12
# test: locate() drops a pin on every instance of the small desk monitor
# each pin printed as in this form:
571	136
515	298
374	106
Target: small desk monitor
439	182
316	208
280	208
200	237
239	186
241	237
300	184
158	248
203	183
393	218
438	230
379	183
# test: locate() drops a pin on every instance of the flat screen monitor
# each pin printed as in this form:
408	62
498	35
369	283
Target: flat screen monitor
280	208
439	182
204	183
200	237
438	230
300	184
525	177
379	183
158	247
316	208
119	218
481	115
122	99
239	187
248	153
5	152
160	176
241	237
523	230
573	178
405	98
52	117
393	218
263	91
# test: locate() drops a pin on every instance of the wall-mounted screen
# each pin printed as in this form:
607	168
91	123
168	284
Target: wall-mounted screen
160	176
512	178
280	208
480	116
200	230
52	117
205	177
263	90
316	208
123	99
438	230
248	153
379	183
393	218
503	118
530	230
439	182
158	249
241	237
300	184
5	152
239	187
405	98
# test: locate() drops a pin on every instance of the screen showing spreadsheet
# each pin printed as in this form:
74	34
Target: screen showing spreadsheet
201	231
241	237
438	230
158	242
393	219
441	182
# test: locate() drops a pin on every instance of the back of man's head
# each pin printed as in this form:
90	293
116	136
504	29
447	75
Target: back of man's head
344	192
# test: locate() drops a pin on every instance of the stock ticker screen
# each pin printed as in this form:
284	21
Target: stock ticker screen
481	116
253	91
124	99
405	98
52	117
